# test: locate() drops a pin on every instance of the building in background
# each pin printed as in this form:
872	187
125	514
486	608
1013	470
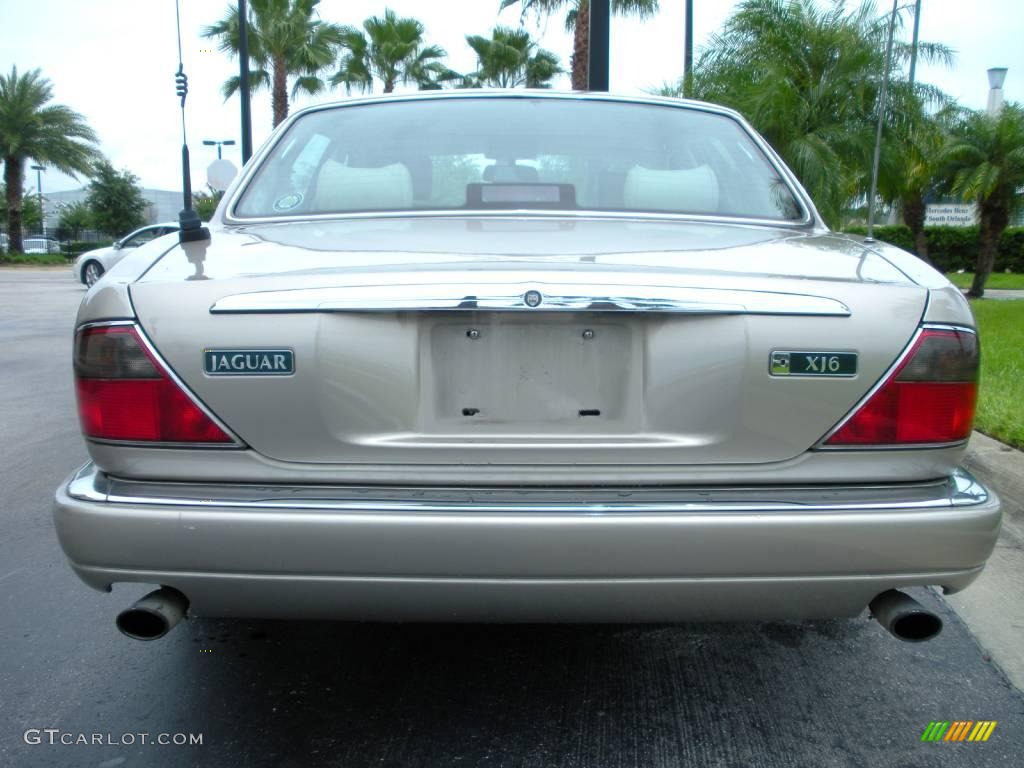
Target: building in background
163	205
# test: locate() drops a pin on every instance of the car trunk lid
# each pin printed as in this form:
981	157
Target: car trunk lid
510	342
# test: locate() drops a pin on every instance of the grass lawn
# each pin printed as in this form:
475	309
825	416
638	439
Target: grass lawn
1005	280
33	259
1001	403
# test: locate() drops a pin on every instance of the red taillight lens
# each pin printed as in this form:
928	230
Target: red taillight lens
124	393
929	398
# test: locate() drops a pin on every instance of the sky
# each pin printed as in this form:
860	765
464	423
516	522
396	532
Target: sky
114	62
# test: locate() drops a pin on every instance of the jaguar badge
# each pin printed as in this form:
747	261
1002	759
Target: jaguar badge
533	298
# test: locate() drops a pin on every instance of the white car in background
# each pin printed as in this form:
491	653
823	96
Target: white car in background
91	265
40	245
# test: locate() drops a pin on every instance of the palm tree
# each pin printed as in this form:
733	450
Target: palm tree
509	58
30	128
391	50
910	169
577	21
808	78
984	164
286	40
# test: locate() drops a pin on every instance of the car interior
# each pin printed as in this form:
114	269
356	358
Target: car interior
640	158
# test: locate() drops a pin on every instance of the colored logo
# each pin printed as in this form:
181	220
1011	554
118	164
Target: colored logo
958	730
784	363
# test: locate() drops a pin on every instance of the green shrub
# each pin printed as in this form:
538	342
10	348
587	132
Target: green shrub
898	235
954	248
32	259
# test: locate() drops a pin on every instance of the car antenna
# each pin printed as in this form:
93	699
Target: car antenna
191	226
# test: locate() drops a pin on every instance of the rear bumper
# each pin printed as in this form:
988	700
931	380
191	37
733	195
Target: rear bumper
526	555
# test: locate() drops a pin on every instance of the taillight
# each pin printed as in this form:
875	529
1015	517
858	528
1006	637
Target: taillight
928	398
125	393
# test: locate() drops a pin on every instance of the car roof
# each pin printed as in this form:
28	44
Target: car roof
517	93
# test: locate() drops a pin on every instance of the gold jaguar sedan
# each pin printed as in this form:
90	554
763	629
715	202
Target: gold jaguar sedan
519	356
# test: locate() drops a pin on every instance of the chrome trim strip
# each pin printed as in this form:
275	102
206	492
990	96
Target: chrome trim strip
237	441
820	445
522	213
145	444
103	324
810	215
947	327
88	484
893	447
510	296
958	490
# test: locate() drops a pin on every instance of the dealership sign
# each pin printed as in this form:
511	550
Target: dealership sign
950	215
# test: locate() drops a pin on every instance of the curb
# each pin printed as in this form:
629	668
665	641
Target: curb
993	607
1002	467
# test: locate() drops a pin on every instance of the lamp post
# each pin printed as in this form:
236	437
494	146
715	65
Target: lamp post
219	144
39	192
913	44
688	52
996	78
881	119
600	25
243	79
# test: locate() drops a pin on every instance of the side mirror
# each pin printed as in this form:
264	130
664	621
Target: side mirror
117	246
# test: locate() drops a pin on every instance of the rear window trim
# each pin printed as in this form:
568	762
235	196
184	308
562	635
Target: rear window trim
808	219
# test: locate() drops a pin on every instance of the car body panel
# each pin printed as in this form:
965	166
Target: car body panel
401	400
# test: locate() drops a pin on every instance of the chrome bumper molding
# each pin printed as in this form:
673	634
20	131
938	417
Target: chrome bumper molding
958	490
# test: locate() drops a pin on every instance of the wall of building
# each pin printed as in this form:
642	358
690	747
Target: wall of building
163	204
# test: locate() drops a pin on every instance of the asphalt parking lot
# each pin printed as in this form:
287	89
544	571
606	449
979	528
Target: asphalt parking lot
839	693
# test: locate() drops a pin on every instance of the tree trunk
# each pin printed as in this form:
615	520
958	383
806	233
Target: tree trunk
279	94
913	216
13	170
581	48
993	220
389	85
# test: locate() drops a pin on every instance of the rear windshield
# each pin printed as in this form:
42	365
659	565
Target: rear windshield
517	153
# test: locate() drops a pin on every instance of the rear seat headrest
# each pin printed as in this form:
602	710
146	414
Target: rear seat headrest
691	190
341	187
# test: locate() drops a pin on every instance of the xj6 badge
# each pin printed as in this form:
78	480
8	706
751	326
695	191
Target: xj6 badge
249	362
814	363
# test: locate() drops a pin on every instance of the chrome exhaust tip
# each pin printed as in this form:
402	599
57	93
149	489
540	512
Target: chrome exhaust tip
153	616
905	618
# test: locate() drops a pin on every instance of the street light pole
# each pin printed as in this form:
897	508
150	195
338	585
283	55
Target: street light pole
39	193
600	30
913	44
243	79
688	52
219	144
881	117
